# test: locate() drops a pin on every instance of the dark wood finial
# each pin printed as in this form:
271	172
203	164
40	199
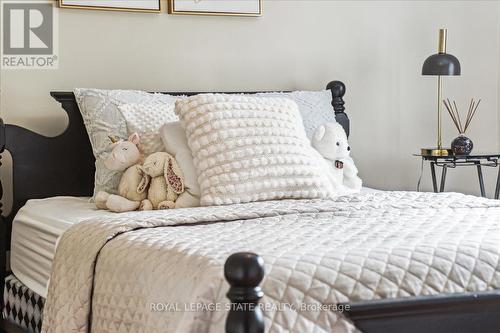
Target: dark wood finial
338	91
244	271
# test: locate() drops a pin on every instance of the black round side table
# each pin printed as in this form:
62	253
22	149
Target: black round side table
453	161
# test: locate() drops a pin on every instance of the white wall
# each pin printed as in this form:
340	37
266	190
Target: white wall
375	47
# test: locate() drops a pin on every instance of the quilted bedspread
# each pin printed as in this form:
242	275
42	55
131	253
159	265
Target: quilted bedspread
162	271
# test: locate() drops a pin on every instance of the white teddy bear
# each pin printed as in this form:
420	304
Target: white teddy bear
330	140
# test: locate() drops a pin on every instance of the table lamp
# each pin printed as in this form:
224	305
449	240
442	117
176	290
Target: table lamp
440	64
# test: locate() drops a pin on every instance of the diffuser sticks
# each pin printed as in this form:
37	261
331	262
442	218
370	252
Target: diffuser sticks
455	114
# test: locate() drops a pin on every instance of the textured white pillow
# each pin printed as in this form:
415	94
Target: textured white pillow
251	149
100	113
146	120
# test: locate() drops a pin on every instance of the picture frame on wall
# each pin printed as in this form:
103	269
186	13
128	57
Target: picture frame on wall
216	7
149	6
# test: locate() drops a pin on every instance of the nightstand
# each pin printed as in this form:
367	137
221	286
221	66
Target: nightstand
453	161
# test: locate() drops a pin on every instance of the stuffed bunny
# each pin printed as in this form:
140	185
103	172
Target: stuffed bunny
330	140
166	183
125	156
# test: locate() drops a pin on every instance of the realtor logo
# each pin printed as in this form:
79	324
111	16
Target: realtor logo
29	35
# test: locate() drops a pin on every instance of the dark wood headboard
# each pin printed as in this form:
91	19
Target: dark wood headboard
65	165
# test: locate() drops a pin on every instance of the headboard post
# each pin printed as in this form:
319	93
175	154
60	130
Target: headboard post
4	229
338	91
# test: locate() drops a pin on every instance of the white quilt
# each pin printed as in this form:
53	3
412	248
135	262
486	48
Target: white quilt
110	274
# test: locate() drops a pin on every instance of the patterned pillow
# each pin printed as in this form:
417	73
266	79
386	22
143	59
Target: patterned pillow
146	120
251	149
100	113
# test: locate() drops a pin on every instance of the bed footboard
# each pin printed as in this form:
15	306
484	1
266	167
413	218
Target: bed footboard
244	271
457	313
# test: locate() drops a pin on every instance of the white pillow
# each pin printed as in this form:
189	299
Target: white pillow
175	143
315	107
146	120
251	149
174	138
100	113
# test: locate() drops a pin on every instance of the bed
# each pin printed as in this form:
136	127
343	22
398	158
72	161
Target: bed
374	261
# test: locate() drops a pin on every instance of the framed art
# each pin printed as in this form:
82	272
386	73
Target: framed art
216	7
151	6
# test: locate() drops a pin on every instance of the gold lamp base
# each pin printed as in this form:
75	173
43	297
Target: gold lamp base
436	152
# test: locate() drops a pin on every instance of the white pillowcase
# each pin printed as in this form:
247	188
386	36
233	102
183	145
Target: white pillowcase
101	116
315	106
251	149
146	120
175	143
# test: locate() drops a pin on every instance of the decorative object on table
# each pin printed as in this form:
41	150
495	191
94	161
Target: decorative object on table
152	6
440	64
461	145
330	140
216	7
478	160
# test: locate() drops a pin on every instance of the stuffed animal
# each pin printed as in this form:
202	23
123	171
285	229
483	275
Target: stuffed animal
132	189
167	181
330	140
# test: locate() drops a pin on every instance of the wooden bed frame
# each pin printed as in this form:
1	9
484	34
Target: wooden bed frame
64	165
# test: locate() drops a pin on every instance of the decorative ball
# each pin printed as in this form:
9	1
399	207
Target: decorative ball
462	145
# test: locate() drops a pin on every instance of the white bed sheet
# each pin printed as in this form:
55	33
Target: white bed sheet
36	229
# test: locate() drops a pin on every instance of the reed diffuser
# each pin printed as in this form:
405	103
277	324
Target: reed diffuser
461	145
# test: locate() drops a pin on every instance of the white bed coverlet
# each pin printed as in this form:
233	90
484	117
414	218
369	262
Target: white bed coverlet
359	247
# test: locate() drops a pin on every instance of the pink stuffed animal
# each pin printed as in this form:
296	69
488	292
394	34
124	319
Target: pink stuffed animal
125	156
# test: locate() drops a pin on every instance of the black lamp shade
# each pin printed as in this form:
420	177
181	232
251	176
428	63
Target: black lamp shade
441	64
